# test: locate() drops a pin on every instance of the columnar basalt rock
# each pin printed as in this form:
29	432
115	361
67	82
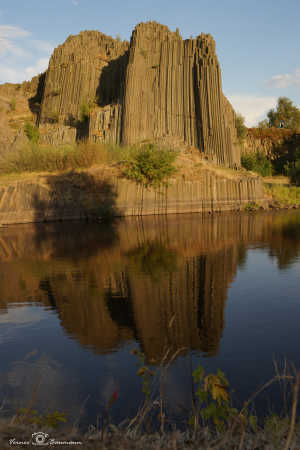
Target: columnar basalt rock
173	88
85	72
157	87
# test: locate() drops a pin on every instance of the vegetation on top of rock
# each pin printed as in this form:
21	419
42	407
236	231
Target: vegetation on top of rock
275	135
151	166
32	132
84	112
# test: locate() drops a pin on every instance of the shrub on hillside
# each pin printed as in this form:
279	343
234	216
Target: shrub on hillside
32	132
241	128
150	166
293	171
257	162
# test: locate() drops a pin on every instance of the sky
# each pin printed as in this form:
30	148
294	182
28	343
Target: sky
257	41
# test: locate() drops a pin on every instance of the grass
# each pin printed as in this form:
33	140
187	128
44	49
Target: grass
283	194
212	422
44	158
148	164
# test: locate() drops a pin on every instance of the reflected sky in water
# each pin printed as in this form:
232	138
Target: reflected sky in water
76	298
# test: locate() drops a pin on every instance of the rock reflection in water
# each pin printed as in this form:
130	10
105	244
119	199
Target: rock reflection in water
162	281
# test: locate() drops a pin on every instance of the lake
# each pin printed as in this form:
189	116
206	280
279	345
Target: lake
220	290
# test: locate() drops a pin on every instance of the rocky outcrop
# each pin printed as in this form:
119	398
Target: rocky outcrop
86	70
173	88
60	134
157	87
19	103
92	194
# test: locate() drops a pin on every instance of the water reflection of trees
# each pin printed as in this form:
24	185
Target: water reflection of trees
284	241
162	281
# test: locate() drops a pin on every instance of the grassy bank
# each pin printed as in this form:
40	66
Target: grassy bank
282	195
212	422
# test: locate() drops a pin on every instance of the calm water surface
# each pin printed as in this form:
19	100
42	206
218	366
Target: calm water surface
77	298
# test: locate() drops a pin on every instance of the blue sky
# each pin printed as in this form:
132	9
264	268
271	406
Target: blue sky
258	41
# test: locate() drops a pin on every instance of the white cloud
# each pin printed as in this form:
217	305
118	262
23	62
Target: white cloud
12	32
75	2
8	34
253	108
285	80
21	56
23	315
39	67
8	47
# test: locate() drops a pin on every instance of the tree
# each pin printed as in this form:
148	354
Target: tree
286	115
240	126
263	124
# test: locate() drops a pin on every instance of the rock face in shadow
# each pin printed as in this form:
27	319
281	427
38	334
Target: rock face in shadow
157	87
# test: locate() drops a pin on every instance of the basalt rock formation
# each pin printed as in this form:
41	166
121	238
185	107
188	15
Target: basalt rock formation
158	87
173	88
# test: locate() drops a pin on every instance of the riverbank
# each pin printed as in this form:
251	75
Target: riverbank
275	433
102	191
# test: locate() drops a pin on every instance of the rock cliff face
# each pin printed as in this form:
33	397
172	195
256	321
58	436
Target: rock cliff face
157	87
92	194
86	69
173	88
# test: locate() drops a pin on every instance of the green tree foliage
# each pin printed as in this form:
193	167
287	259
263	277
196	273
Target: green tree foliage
84	112
32	132
263	124
286	115
241	128
151	166
212	403
292	168
257	162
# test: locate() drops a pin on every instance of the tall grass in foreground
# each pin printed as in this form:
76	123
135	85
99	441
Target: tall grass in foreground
212	423
34	157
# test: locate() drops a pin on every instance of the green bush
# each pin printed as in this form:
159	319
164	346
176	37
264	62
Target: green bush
257	162
84	112
294	173
151	166
241	129
32	132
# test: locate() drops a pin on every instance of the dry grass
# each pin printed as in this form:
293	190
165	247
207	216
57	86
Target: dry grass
43	158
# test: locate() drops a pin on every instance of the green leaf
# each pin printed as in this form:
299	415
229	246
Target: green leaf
198	374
